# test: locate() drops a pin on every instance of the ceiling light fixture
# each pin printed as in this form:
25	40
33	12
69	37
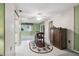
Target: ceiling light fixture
39	18
20	10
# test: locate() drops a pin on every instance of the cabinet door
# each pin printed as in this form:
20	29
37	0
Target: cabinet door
56	38
2	29
76	40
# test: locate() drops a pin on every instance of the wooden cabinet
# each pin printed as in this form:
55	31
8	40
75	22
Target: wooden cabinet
59	38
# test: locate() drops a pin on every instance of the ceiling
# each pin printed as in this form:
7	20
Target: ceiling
46	10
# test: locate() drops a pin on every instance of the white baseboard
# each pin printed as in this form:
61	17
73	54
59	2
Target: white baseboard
76	51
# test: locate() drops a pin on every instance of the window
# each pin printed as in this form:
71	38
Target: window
26	27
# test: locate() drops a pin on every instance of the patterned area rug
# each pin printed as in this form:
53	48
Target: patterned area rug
42	50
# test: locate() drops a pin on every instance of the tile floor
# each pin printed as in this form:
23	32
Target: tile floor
23	50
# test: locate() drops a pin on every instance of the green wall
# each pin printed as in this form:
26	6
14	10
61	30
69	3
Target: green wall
76	40
42	29
35	28
1	29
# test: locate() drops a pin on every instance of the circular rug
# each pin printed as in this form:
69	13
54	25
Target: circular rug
42	50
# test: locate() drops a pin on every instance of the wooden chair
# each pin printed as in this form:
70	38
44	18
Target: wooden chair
39	39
